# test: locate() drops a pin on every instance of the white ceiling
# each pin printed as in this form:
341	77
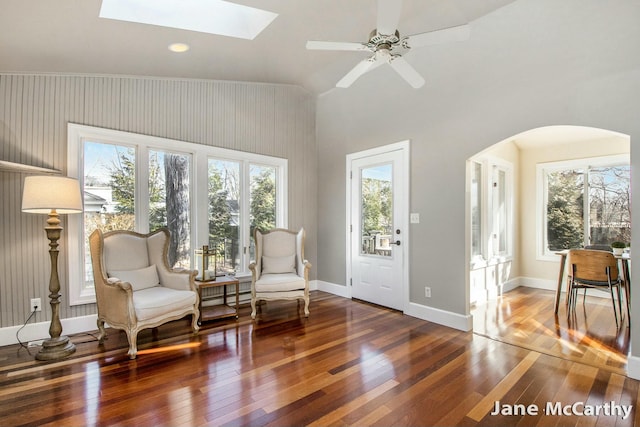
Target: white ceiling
67	36
555	135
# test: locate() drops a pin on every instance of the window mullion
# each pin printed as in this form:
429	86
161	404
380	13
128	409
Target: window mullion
245	221
141	197
200	233
586	207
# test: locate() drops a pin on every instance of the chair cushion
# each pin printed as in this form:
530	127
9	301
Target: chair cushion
125	251
279	282
140	279
158	301
282	264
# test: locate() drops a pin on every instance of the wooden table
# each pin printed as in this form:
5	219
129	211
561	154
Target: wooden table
626	276
223	310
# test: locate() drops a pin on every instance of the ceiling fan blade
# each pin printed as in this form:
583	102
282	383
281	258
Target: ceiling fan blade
322	45
407	72
360	68
453	34
388	16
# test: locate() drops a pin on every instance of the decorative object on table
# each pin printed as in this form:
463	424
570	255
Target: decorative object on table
618	247
206	269
53	195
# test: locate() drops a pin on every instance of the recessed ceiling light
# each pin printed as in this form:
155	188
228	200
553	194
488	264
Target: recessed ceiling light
207	16
178	47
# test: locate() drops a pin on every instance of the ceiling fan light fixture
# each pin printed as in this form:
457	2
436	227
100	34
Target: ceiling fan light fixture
388	47
383	55
178	47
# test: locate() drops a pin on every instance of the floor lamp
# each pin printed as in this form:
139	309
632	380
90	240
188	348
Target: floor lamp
53	195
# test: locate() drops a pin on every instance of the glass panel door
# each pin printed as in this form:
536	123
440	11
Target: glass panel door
376	231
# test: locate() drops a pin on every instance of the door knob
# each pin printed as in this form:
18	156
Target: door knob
397	243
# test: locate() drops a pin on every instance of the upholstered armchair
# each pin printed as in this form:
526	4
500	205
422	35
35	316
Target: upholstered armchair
135	287
279	271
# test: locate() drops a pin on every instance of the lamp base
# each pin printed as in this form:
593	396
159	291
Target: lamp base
56	348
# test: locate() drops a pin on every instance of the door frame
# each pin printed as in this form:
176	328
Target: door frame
404	148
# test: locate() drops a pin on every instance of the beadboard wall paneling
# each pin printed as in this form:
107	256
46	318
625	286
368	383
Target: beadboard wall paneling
275	120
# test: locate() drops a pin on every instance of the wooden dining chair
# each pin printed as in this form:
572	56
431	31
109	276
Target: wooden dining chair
591	269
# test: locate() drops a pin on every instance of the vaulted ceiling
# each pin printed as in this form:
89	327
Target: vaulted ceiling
67	36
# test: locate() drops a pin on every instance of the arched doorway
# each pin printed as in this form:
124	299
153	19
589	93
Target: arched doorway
508	255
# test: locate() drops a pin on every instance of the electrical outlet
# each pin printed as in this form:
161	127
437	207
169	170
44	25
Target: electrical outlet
36	304
427	292
414	218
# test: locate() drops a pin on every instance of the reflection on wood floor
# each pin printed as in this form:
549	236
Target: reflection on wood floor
525	317
349	363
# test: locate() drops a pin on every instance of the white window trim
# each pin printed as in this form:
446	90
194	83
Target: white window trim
542	169
79	293
478	260
496	164
488	256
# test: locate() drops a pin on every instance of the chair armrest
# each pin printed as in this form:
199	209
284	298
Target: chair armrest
115	300
307	267
255	271
117	283
178	278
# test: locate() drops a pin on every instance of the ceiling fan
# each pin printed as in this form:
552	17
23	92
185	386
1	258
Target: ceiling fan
388	46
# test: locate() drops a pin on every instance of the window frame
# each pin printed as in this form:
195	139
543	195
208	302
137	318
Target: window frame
542	196
79	292
489	166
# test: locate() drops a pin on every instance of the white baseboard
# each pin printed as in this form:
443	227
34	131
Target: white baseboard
552	285
39	331
441	317
633	367
532	282
332	288
76	325
510	284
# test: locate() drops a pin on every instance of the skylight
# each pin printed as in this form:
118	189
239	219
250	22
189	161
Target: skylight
206	16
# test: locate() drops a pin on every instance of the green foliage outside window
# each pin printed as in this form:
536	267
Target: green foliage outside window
565	224
263	200
376	206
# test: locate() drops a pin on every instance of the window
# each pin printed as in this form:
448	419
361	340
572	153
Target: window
262	199
224	212
169	204
204	195
583	202
491	200
376	224
108	177
476	210
500	211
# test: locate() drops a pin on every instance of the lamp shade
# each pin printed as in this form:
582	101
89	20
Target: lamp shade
42	194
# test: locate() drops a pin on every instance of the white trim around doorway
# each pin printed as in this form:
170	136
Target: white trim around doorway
404	148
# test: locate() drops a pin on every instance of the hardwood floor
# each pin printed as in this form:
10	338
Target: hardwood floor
349	363
524	317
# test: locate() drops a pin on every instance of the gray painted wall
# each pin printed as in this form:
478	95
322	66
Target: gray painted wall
275	120
532	63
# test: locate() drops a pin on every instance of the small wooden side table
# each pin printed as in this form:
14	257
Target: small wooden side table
218	311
